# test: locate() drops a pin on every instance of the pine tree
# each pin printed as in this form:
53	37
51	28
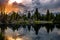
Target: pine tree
29	15
48	15
36	15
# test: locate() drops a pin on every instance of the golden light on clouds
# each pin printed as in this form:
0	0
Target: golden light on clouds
10	8
18	1
12	5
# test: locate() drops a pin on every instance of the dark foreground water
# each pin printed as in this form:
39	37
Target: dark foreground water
25	34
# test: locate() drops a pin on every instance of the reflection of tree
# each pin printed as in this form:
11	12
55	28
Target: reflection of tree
1	37
3	27
49	27
36	28
24	26
58	26
29	27
14	26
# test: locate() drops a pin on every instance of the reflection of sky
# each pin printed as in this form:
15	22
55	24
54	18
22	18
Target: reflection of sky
42	35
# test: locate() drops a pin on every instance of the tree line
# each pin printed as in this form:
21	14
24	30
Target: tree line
5	18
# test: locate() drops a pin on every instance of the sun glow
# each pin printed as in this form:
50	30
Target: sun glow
11	38
10	8
12	5
18	1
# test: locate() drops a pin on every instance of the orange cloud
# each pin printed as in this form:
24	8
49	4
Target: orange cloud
10	8
7	8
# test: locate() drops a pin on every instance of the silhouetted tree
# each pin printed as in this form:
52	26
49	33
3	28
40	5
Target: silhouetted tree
24	17
36	15
13	16
57	18
3	18
29	15
43	17
47	15
52	16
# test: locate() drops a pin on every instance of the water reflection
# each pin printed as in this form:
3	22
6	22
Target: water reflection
33	32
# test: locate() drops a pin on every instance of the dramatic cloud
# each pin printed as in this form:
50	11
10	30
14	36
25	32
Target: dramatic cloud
43	5
47	3
32	4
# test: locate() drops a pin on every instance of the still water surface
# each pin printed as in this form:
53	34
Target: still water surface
25	34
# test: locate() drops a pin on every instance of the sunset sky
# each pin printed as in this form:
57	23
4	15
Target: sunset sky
22	5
